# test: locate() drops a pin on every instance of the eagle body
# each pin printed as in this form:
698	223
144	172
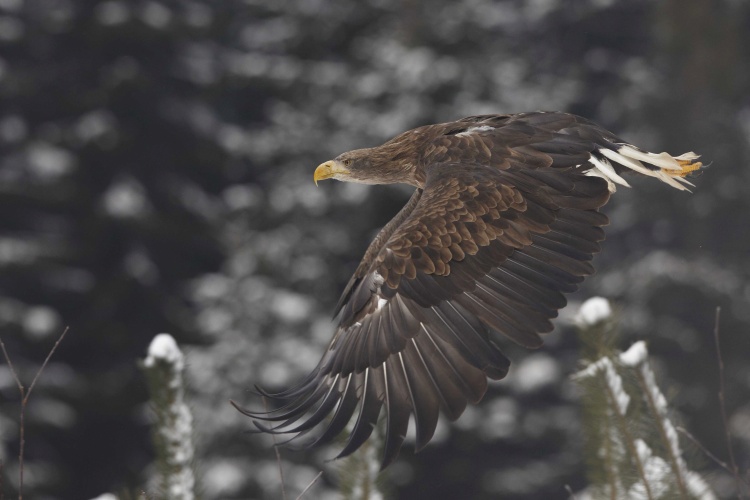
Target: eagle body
503	222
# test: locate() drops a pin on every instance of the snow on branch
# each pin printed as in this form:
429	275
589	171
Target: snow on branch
633	447
164	348
689	483
593	311
614	382
173	428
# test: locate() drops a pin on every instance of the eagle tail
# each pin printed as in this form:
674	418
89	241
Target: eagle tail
610	162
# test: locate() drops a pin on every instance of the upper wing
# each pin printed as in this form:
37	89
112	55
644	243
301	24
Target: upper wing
486	248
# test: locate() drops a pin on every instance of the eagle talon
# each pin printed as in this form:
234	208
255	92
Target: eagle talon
689	168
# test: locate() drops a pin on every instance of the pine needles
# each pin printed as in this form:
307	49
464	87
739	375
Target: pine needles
633	448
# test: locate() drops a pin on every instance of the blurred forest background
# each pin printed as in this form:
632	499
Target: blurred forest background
156	163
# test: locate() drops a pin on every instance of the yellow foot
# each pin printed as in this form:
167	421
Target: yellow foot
688	167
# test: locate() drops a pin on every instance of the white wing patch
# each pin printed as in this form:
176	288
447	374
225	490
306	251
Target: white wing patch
474	130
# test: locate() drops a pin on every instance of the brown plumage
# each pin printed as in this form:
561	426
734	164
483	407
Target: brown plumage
503	222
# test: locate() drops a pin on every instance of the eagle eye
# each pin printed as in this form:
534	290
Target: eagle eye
347	163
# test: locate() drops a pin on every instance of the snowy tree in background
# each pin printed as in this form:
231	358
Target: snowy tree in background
173	426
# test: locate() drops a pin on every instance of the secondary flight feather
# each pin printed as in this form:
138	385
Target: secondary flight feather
503	222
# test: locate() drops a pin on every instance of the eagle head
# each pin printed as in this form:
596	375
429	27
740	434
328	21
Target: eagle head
352	166
367	166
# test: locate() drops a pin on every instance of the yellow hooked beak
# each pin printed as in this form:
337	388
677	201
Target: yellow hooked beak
330	169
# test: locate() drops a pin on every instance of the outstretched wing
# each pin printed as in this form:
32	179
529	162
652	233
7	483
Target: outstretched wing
485	251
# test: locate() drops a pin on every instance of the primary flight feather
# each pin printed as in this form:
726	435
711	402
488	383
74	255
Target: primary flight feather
504	220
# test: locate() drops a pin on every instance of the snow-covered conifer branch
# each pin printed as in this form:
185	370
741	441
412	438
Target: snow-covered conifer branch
173	429
690	484
617	408
634	447
593	311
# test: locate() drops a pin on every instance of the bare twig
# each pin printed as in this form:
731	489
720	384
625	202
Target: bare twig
722	406
315	479
278	455
12	370
25	394
44	365
705	450
714	459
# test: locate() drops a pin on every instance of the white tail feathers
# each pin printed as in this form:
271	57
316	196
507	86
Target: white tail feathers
604	169
669	169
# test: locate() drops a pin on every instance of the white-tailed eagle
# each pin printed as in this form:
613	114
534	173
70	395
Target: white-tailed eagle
503	222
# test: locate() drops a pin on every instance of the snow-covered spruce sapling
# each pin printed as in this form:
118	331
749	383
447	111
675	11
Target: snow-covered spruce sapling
632	447
173	426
